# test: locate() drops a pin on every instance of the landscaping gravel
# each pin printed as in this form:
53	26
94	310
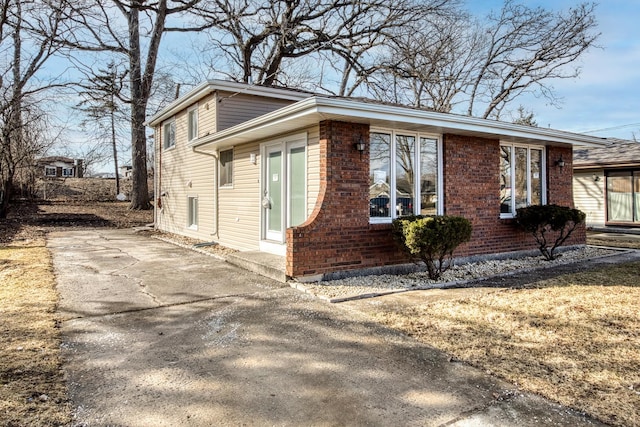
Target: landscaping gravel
458	275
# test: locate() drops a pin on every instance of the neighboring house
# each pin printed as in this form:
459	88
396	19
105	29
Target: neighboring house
60	167
126	171
318	179
606	184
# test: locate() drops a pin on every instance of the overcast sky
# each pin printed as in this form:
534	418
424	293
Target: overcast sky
605	100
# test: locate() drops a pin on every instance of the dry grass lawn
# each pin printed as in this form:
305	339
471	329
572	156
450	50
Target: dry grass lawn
574	339
32	388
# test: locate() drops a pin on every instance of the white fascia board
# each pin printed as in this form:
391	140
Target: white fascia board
209	86
311	110
452	122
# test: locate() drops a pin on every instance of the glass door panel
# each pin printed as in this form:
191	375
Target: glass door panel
274	193
297	186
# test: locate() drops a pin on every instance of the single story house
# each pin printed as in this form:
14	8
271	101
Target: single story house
606	184
60	167
318	179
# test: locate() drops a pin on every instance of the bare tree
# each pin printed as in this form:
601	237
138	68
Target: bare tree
28	30
450	62
525	50
430	65
134	29
257	37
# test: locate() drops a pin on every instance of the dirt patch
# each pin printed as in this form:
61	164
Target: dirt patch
31	220
32	387
573	338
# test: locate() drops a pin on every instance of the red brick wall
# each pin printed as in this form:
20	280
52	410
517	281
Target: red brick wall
337	236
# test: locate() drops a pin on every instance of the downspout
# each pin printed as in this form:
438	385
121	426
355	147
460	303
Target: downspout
215	187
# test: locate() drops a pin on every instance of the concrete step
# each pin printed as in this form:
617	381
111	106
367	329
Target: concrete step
265	264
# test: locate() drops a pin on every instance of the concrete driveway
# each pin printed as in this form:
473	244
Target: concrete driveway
157	335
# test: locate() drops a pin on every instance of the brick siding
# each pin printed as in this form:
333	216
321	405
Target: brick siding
338	236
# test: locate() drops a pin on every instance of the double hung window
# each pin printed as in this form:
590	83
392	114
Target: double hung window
49	171
169	134
521	178
226	168
404	175
192	123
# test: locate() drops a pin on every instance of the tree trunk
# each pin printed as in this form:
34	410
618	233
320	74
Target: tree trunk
113	143
140	188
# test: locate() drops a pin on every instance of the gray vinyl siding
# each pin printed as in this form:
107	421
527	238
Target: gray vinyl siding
207	115
184	174
239	204
589	196
233	109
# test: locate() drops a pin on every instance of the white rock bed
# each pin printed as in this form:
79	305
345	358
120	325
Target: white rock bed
387	283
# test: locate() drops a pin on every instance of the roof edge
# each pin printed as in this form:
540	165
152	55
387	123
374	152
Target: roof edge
360	110
205	88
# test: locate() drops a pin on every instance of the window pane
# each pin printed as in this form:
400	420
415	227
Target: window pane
379	178
505	179
405	174
193	212
169	134
226	168
428	176
274	217
193	124
619	197
298	186
521	177
536	177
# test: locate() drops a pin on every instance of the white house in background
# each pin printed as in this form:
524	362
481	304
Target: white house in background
606	184
60	167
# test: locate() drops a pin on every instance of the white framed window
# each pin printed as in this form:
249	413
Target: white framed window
192	123
225	169
49	171
405	174
67	172
522	178
192	212
169	134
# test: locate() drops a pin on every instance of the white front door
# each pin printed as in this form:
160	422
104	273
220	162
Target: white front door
284	187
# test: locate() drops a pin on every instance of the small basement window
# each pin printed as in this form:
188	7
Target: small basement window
192	212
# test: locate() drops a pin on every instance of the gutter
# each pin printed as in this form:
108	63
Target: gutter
322	108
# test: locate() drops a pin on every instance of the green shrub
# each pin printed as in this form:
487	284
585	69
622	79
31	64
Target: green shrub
544	221
431	239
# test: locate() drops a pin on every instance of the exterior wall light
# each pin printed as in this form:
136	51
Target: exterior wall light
360	145
560	162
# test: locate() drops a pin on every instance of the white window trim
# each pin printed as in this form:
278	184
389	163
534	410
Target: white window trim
543	178
67	172
392	172
192	226
170	122
285	143
50	168
233	170
196	124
